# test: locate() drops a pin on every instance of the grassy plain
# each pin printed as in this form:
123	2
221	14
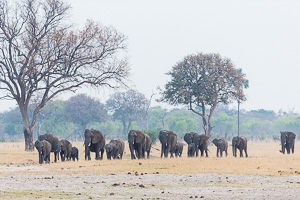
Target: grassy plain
264	159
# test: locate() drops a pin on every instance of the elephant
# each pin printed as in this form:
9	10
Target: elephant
178	149
44	149
74	153
53	140
201	142
94	141
191	149
147	146
287	141
64	147
115	149
241	144
138	142
222	145
168	140
190	138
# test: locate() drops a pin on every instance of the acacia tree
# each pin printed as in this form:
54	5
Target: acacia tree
82	110
41	56
128	107
203	81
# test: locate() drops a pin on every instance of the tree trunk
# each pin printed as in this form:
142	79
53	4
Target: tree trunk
124	127
27	129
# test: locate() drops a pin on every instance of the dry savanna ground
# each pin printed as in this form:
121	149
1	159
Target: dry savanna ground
265	174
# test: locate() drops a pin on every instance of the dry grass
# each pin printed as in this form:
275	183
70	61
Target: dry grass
264	159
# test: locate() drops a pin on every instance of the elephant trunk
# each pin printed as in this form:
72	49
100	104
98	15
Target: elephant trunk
282	147
131	150
40	157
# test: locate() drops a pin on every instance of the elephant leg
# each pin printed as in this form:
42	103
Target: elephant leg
55	156
241	153
197	151
226	152
235	150
202	152
102	151
148	154
293	149
140	149
246	152
206	153
221	152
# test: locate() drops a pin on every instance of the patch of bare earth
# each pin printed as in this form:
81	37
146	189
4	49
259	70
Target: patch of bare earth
266	174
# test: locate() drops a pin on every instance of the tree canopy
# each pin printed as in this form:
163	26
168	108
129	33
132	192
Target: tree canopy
128	107
41	56
202	81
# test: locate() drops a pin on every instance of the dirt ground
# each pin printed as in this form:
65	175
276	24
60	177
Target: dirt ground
266	174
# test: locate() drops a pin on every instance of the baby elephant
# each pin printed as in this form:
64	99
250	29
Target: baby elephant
74	153
222	145
178	149
44	149
115	149
65	148
191	150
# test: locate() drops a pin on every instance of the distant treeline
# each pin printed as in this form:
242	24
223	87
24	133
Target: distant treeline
63	119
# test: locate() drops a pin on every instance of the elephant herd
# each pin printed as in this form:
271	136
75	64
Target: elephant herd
140	145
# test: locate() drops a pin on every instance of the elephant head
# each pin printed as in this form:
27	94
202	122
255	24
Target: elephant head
136	140
110	149
190	137
92	137
216	141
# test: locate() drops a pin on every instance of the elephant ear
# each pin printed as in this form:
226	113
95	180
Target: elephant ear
139	137
97	136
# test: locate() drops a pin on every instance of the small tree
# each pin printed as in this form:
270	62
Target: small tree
128	107
204	80
42	57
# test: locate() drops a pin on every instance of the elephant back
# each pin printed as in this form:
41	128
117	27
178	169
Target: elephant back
52	139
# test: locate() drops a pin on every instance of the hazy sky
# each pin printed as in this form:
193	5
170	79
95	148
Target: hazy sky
262	37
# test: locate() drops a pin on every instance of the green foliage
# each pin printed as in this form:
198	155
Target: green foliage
153	134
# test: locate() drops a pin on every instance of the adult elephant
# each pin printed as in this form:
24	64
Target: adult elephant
190	138
239	143
94	141
222	145
44	149
53	140
178	149
287	141
201	142
136	141
64	147
168	140
115	149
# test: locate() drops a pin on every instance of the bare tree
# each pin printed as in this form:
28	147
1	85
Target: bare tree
203	81
42	57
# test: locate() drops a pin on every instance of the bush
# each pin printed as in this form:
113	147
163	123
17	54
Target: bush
153	134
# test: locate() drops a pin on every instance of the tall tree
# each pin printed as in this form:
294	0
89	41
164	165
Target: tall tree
82	110
204	81
128	107
42	57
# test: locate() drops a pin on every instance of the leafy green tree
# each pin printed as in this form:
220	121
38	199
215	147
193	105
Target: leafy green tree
128	107
82	110
204	81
